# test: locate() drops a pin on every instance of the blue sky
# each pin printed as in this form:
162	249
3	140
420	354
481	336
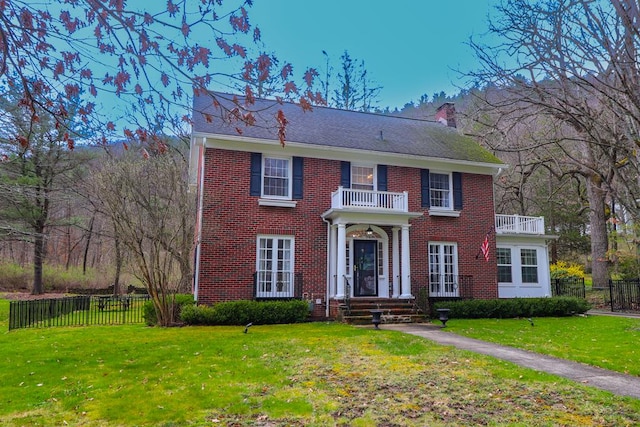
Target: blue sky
409	47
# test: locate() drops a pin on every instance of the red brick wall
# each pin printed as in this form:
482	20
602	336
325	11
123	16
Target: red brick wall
232	219
468	230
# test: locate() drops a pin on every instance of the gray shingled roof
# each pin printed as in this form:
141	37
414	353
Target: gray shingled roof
345	129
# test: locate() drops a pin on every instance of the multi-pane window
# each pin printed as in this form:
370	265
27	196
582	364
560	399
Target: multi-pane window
440	190
276	178
503	256
443	269
275	267
529	263
362	178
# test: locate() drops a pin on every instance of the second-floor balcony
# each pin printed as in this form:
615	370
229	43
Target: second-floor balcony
518	224
345	198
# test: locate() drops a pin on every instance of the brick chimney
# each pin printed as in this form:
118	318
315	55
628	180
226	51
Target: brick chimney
446	113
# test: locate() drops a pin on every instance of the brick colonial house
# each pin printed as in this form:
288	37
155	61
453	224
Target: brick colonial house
355	206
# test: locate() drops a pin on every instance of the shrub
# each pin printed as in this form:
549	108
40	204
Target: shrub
179	303
55	278
198	315
517	307
244	312
14	277
627	267
563	270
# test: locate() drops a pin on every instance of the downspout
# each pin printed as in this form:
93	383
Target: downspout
200	186
326	301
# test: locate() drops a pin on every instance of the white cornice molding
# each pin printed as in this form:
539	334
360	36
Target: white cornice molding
291	148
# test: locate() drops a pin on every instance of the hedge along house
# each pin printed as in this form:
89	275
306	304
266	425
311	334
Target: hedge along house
355	206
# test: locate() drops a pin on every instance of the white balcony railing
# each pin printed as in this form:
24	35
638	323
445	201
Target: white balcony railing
517	224
366	199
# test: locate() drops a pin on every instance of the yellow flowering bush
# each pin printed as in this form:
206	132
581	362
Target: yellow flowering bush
563	269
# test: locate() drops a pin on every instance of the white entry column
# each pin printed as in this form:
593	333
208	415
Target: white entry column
406	265
341	269
333	260
395	262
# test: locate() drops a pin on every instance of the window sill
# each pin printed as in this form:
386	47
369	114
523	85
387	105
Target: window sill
442	212
277	203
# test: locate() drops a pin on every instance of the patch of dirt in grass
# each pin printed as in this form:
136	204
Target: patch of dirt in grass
447	391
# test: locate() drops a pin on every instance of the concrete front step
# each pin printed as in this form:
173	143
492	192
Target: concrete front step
393	311
385	318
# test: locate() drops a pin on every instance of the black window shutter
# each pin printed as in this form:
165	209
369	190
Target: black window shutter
382	177
345	171
298	177
256	174
457	191
424	188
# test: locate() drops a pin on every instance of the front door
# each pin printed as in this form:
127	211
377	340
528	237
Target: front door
365	268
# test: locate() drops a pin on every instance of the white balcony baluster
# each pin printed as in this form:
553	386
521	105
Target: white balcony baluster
517	224
366	199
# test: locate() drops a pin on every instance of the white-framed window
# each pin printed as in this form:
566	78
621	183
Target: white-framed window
529	265
505	264
440	194
276	177
362	177
274	267
443	269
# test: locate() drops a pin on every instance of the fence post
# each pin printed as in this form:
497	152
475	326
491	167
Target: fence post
611	294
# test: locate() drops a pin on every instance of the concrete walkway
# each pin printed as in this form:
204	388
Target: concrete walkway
619	384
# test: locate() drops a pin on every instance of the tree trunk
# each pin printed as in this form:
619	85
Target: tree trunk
86	248
552	223
598	226
116	279
38	261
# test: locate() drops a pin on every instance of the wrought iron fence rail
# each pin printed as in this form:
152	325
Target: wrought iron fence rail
77	311
624	295
568	287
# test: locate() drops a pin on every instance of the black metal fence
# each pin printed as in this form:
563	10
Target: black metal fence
568	287
624	295
76	311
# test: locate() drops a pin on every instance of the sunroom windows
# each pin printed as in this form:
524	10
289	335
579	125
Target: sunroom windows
503	256
517	265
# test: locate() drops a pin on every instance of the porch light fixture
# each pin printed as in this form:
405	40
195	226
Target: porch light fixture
369	231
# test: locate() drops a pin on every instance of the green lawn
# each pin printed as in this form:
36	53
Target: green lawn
605	341
315	374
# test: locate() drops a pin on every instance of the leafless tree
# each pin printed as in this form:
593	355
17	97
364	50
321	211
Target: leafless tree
573	62
146	197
